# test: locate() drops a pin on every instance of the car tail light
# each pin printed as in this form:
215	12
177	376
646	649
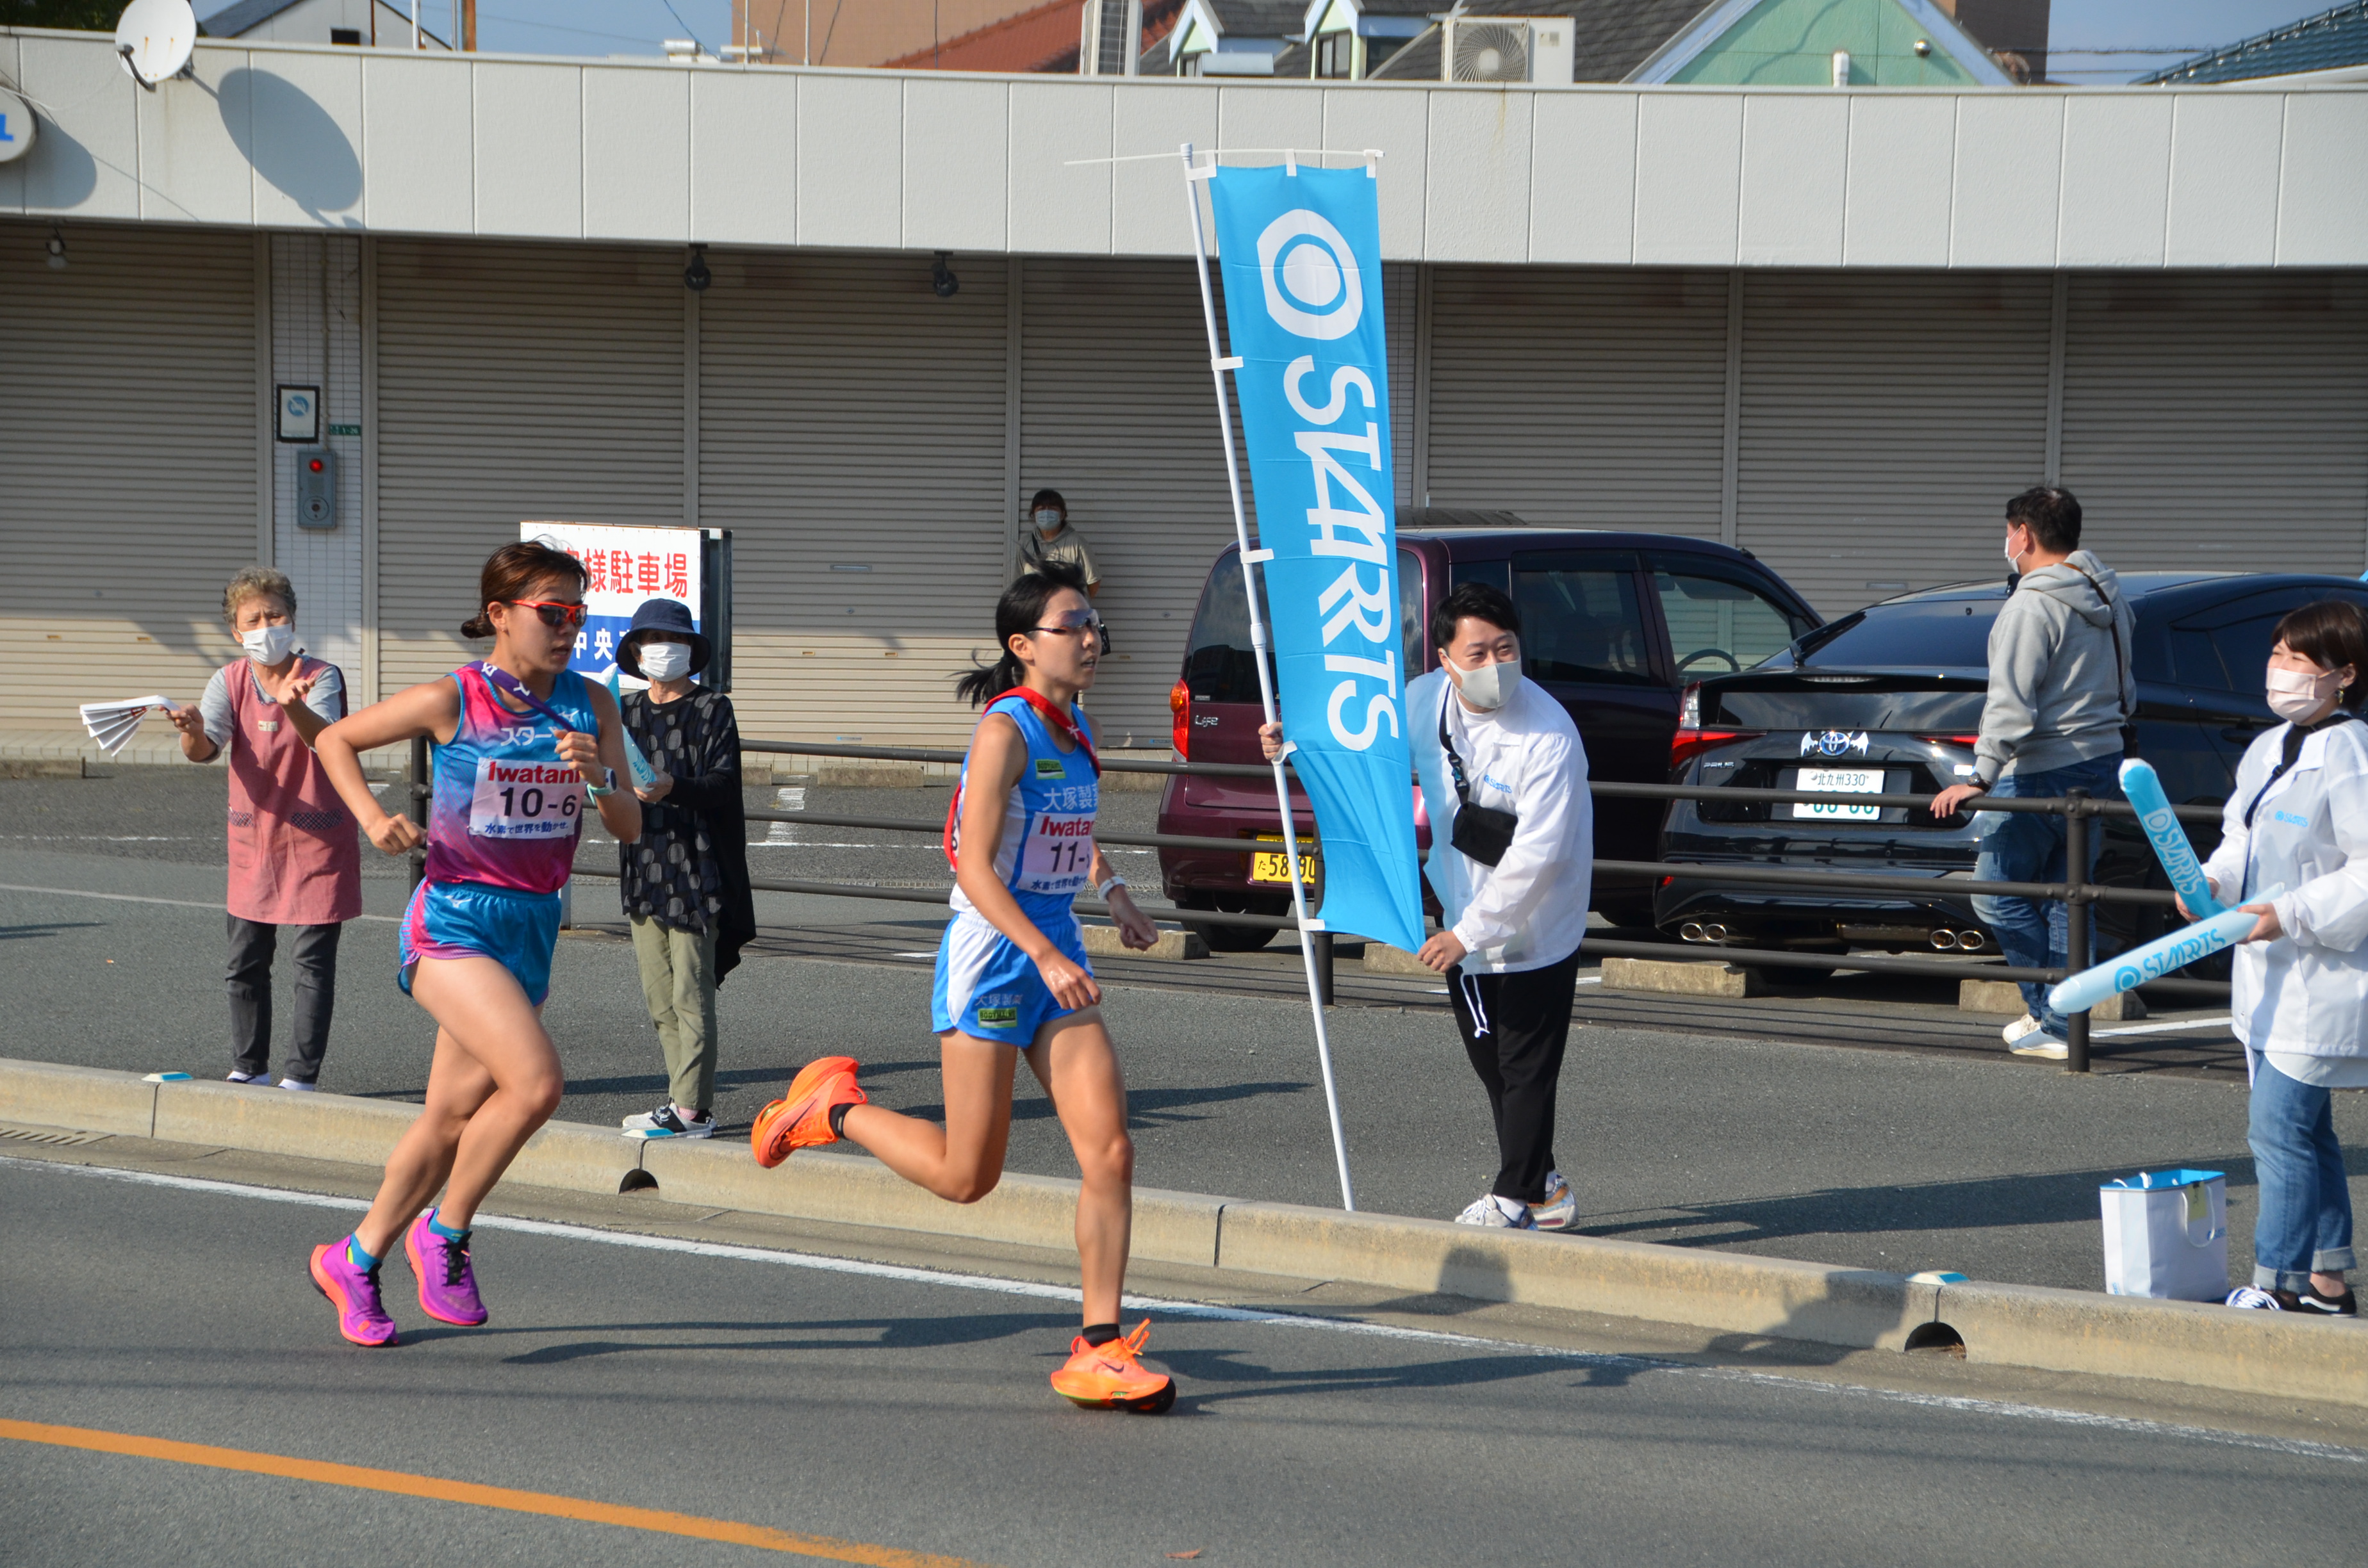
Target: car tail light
1966	740
1180	713
1689	744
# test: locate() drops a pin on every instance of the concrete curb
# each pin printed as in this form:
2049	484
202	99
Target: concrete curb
1733	1293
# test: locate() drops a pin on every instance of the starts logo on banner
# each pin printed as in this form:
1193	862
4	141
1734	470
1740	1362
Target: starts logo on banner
1300	249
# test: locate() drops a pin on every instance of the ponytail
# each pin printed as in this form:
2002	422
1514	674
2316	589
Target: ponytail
1016	614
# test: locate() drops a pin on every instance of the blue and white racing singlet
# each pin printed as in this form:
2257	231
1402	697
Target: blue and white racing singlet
1046	856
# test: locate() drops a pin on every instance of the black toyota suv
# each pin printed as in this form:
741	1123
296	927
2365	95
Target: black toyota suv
1612	624
1887	700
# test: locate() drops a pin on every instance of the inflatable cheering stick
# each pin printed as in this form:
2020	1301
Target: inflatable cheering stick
2160	823
2159	957
643	774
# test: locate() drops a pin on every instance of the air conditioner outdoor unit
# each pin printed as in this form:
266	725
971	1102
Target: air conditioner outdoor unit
1532	50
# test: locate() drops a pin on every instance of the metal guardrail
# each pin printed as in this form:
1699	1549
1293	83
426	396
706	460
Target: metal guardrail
2078	808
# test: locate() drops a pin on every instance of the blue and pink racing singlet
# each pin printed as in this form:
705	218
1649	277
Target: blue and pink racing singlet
507	810
984	986
1046	856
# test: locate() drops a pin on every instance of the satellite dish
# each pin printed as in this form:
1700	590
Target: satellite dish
155	38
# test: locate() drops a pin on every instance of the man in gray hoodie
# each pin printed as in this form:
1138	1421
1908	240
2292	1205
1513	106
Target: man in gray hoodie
2060	696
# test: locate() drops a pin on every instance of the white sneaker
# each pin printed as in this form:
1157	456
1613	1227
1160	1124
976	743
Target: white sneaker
293	1084
1560	1210
2020	1028
2045	1047
238	1077
1490	1211
669	1121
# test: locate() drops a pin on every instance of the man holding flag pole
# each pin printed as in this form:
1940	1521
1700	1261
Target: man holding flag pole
1301	250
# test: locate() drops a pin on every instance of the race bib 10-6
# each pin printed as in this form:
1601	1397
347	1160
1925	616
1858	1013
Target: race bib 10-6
1059	855
525	800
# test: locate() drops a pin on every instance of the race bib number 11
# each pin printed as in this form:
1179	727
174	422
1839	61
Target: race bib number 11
1059	856
525	800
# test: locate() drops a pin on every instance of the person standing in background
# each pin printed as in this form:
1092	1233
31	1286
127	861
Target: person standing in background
294	858
2057	718
1053	539
685	883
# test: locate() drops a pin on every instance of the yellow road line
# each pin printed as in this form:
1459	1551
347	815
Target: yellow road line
405	1484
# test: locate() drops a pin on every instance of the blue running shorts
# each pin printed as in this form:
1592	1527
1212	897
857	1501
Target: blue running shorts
515	928
989	990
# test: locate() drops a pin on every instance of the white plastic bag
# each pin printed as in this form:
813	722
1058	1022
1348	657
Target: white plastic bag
2167	1235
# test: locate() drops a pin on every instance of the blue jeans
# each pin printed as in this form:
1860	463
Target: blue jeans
2306	1223
2024	847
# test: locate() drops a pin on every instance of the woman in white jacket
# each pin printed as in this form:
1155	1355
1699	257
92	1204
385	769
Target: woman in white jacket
2298	818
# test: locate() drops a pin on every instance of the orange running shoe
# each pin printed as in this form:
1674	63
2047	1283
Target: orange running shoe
801	1117
1115	1376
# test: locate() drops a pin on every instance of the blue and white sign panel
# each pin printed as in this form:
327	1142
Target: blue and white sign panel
623	567
1301	259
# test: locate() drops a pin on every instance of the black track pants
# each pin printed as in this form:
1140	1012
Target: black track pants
252	944
1515	1028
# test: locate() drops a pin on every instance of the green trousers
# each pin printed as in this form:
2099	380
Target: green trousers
679	983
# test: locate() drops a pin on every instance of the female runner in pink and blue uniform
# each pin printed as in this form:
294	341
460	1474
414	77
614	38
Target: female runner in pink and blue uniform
1012	978
522	743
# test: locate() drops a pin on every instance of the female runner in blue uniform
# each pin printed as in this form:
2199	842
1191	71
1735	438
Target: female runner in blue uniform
1012	977
522	743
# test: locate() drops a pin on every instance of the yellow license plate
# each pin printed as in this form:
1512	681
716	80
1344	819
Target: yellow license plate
1274	866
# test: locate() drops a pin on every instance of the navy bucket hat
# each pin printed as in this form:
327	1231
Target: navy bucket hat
661	615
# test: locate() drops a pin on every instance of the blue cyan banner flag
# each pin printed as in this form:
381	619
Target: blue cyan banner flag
1301	253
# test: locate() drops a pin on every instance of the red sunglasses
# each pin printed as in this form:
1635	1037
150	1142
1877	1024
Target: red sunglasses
556	614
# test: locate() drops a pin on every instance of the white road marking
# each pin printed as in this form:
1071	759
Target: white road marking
140	898
2295	1446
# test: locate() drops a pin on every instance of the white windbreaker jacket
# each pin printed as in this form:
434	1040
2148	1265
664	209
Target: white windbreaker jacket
1530	909
2306	993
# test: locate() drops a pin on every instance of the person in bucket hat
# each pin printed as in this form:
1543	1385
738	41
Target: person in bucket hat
685	883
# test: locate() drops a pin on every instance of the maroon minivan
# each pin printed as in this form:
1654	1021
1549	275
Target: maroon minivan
1613	625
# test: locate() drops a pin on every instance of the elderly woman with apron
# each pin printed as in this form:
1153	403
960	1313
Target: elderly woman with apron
2298	818
295	858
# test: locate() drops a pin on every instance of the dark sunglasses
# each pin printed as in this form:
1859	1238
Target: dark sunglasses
556	614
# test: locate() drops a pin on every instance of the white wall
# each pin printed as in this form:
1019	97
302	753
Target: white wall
392	141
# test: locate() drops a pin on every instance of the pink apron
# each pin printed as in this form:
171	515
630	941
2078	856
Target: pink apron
295	857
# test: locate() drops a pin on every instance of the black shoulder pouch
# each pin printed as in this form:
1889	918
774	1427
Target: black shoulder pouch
1481	832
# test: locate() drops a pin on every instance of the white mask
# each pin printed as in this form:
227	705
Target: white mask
664	661
266	645
1048	521
2011	558
1488	687
2296	697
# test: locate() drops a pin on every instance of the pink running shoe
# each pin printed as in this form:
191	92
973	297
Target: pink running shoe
353	1290
447	1286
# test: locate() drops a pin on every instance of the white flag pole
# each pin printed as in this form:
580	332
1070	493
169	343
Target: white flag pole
1260	644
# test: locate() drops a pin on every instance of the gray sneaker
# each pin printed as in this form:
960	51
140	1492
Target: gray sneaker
668	1122
1488	1212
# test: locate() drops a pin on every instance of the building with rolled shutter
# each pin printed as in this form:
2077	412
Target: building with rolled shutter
1837	327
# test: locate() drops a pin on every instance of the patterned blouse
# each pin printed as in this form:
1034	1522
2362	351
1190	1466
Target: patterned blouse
671	875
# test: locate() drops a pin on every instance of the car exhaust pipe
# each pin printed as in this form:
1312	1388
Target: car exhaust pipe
1691	931
1712	931
1971	941
1944	941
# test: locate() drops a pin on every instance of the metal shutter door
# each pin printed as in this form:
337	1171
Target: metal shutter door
2220	422
515	381
128	462
1579	398
848	418
1886	419
1116	415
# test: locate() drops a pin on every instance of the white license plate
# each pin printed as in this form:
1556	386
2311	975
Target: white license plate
1840	781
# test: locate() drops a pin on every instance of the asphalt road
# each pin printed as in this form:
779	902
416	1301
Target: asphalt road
906	1409
1862	1158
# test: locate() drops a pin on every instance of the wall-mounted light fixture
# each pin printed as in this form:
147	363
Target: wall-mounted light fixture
57	248
696	276
941	278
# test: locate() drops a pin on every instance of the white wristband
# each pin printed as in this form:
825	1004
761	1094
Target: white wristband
1102	889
